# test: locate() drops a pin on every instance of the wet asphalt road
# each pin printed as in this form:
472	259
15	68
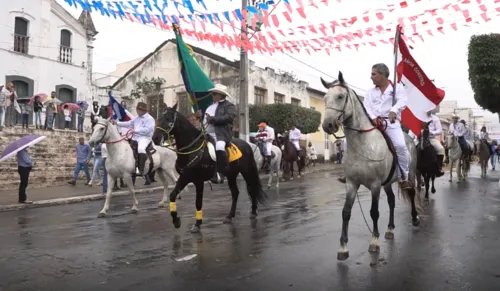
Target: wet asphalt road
291	246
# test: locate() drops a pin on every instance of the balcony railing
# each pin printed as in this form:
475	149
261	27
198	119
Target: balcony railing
21	43
65	54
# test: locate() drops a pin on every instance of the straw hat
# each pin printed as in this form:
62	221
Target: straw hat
220	89
454	116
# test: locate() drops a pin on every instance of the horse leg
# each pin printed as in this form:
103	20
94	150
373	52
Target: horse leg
414	214
128	181
235	192
163	178
433	190
427	182
419	181
452	163
111	182
278	172
459	170
179	186
174	178
291	170
199	185
374	214
391	200
270	180
352	191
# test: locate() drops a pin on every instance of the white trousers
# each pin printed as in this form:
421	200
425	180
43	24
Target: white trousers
296	144
395	133
269	148
437	146
220	145
142	144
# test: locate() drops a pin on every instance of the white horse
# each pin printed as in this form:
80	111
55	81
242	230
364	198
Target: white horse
455	155
275	163
120	162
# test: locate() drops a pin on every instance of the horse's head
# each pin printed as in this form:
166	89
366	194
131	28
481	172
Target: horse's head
336	100
101	131
451	140
166	124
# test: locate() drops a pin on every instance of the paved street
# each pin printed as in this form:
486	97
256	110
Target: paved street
291	246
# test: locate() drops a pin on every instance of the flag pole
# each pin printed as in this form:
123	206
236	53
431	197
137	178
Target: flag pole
396	51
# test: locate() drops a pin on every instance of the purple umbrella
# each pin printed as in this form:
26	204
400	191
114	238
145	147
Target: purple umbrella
14	147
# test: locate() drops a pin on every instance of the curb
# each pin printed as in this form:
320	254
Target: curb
95	197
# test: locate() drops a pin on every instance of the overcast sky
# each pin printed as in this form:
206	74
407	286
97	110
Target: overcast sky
442	57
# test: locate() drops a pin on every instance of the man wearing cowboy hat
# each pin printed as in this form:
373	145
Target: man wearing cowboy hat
142	128
436	130
267	136
458	129
218	120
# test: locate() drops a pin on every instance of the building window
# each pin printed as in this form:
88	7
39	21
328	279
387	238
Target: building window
260	96
295	101
21	38
279	98
65	50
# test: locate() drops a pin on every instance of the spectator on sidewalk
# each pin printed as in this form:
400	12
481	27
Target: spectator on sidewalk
81	116
10	105
67	117
97	165
311	152
49	116
104	153
82	160
24	166
25	114
37	108
3	102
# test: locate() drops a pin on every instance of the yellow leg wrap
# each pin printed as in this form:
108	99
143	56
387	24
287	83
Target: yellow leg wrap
173	207
199	215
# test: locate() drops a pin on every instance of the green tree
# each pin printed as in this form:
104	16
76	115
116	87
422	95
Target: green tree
282	116
484	70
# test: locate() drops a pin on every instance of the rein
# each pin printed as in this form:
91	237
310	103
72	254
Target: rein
180	151
380	122
127	136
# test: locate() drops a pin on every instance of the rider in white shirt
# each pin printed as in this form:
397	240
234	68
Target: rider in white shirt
378	103
458	129
142	127
435	131
294	136
268	139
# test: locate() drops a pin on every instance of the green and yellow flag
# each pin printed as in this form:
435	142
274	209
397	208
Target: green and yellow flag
195	79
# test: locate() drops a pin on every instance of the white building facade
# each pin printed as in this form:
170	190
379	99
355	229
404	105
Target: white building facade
44	49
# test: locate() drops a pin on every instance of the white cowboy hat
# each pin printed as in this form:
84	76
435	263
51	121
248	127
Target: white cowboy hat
220	89
454	116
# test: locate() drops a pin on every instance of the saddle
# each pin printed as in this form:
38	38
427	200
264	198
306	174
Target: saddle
232	150
150	151
261	145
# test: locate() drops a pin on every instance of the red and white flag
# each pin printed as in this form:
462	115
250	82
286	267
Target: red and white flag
421	93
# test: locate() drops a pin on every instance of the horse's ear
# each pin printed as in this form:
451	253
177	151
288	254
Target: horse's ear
325	84
341	78
174	107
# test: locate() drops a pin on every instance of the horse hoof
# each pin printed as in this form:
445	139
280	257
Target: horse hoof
177	222
179	197
374	249
195	229
450	181
291	179
101	215
389	235
268	187
342	256
416	222
161	204
228	220
253	216
433	191
134	210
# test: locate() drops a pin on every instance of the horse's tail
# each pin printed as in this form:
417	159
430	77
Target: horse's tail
252	178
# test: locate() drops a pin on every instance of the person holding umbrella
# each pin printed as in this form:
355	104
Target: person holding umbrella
18	148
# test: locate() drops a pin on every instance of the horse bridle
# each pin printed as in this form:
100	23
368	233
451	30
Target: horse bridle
340	122
180	151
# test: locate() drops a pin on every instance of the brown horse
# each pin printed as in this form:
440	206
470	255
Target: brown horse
290	156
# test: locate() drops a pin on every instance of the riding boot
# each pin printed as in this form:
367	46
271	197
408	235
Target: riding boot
142	161
222	161
267	169
440	165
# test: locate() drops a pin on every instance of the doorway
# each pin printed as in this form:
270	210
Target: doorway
65	94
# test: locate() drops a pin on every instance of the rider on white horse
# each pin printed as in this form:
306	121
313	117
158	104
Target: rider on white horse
142	128
294	136
436	130
378	104
458	129
267	136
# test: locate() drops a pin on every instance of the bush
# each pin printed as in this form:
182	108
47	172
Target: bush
281	117
484	70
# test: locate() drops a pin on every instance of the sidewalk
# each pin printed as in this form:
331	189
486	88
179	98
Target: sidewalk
59	195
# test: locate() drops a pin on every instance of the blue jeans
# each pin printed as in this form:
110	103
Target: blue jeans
494	159
81	166
104	177
80	124
97	167
1	116
38	118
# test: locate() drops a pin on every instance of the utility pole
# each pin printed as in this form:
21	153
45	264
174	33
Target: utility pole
243	105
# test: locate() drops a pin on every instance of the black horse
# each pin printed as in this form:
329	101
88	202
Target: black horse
195	165
427	162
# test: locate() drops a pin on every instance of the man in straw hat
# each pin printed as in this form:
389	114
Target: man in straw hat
436	130
458	129
266	133
218	120
142	128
